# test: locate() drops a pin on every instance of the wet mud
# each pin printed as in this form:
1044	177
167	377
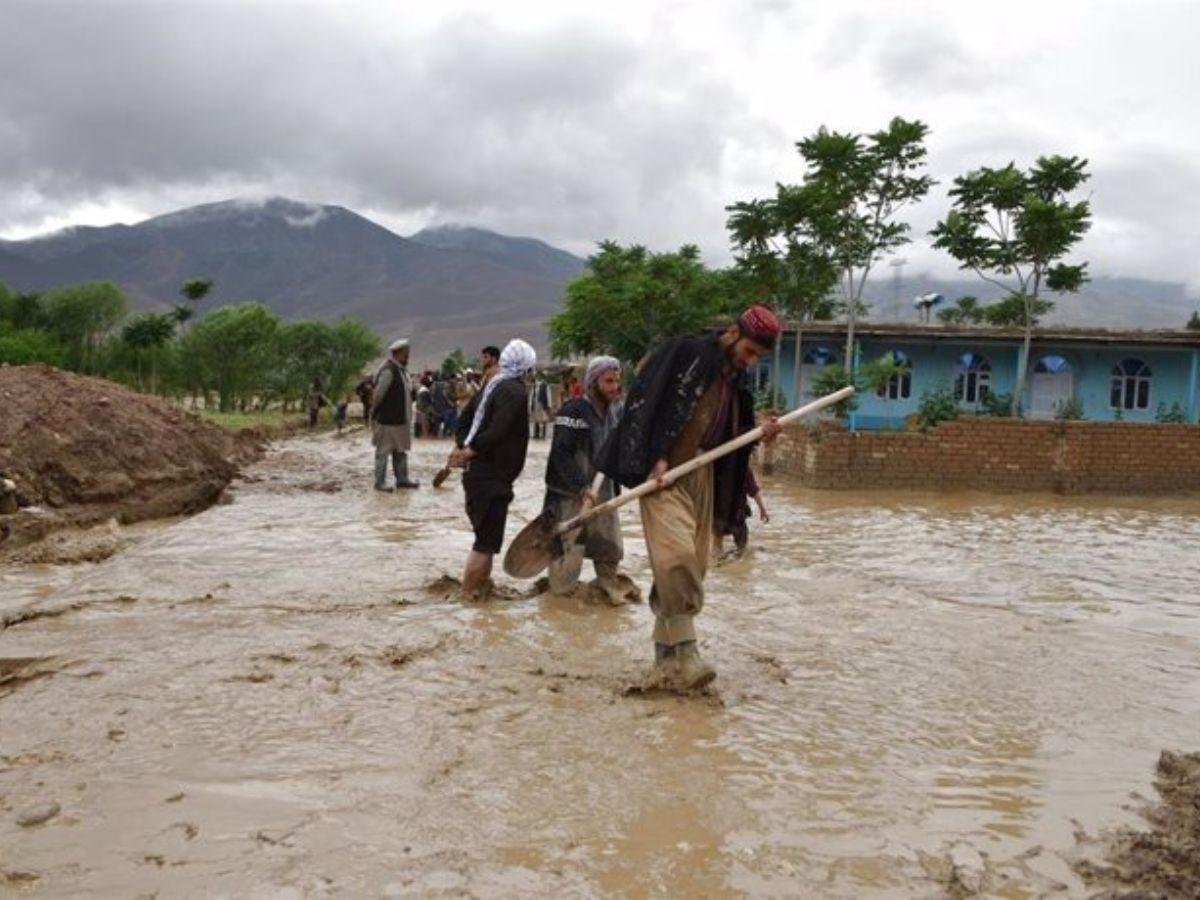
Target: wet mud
1163	861
284	695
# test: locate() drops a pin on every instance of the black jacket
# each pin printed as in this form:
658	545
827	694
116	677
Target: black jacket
503	437
669	384
575	448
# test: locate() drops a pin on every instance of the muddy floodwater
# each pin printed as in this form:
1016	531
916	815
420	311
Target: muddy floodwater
916	693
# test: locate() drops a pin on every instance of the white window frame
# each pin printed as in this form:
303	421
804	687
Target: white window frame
1127	385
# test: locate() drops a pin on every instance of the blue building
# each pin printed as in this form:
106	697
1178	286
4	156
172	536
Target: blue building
1103	375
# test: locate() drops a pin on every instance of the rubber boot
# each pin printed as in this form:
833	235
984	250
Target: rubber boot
400	465
381	462
691	671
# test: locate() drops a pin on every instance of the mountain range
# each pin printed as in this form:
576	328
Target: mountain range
445	287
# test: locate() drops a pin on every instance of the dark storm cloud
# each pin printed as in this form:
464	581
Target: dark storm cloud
566	128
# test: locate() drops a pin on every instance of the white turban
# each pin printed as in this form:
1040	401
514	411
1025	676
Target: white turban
398	344
598	367
516	359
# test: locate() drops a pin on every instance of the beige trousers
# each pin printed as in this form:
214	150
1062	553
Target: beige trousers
678	526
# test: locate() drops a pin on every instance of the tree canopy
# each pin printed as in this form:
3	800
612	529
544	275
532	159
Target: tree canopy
630	299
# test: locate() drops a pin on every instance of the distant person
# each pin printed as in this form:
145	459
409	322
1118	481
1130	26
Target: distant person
734	519
316	400
364	390
425	410
489	360
576	389
392	415
492	451
340	412
443	409
539	407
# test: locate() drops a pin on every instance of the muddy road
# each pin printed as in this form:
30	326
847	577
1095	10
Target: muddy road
917	697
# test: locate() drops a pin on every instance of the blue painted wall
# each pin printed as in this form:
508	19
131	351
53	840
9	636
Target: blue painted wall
1175	374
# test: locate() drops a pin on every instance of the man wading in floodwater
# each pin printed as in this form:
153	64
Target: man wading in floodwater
392	415
493	453
689	396
580	430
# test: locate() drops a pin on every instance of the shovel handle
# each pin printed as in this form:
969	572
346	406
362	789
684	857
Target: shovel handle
754	434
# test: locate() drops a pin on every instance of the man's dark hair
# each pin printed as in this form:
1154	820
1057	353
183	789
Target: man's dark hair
491	351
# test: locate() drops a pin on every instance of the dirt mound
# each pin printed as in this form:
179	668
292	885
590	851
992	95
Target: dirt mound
82	450
1164	861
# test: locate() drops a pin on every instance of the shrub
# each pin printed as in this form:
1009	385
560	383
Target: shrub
937	406
1175	414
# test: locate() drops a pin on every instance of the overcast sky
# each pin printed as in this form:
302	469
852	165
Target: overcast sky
637	121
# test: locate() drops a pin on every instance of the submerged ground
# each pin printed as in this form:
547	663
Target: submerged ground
918	696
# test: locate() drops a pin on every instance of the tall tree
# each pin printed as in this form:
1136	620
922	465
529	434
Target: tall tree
1012	228
146	335
193	290
785	267
81	315
1193	324
630	299
847	207
234	349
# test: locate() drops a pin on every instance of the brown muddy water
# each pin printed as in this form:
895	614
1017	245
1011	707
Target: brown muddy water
917	696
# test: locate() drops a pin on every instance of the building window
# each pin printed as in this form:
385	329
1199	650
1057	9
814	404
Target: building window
899	386
972	378
1053	364
819	356
1130	387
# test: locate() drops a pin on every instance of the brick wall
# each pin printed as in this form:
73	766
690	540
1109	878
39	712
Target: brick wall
999	455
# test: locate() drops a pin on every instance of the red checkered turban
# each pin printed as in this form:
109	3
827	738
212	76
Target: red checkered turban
760	325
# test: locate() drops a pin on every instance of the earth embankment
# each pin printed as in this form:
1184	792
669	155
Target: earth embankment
82	450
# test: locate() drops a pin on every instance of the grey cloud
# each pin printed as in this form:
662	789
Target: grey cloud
567	131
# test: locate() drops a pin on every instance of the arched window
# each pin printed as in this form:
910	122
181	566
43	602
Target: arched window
972	378
1130	386
1052	364
819	356
899	386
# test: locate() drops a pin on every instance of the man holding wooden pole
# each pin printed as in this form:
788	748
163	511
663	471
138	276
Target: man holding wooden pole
689	396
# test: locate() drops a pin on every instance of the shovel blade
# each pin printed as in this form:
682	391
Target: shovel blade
532	551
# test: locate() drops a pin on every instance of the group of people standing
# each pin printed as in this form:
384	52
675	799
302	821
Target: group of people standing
688	395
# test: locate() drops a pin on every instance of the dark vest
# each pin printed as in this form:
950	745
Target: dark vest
393	408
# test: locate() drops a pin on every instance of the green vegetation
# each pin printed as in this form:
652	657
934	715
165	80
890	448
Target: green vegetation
236	357
630	299
937	406
1012	229
1173	414
1193	324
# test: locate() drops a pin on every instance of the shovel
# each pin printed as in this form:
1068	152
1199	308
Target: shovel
539	542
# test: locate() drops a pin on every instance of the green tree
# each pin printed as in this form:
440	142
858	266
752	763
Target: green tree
1193	323
194	290
454	363
847	208
965	311
146	335
352	346
233	349
783	266
1012	228
630	299
81	316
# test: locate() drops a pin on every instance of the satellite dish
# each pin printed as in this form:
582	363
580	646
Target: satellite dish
927	301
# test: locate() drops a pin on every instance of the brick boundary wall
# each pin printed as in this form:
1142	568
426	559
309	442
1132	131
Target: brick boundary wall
995	454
